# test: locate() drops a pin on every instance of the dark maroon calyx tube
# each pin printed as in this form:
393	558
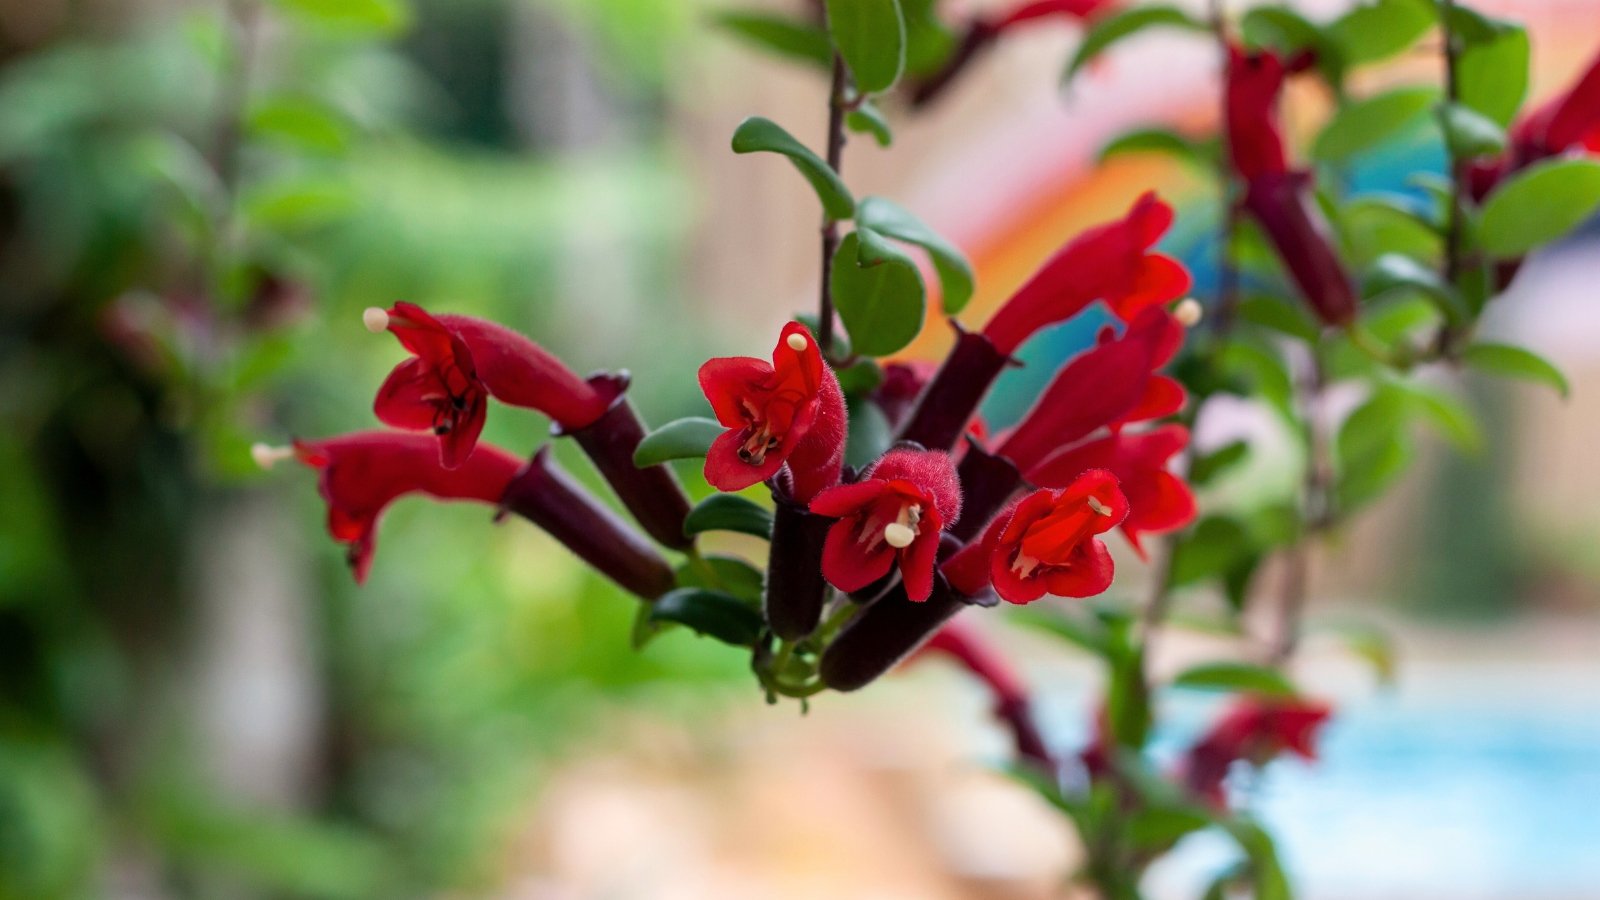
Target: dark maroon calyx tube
652	494
546	495
1285	206
988	481
885	633
795	590
951	399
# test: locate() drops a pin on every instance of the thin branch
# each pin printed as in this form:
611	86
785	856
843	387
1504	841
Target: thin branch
830	229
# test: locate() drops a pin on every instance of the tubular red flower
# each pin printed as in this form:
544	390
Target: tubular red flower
362	473
1046	543
1256	730
1569	120
457	363
1254	81
1107	385
1284	205
1110	262
1158	500
894	515
790	410
962	642
1080	10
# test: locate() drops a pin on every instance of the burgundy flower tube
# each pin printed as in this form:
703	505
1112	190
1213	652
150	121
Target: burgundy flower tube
1254	82
652	494
544	494
457	363
1286	208
796	589
886	632
951	399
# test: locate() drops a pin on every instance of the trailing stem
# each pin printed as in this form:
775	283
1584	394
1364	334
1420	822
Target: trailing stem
830	228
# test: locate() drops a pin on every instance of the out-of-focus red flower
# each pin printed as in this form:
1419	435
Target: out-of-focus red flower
1158	500
457	363
1105	386
1111	262
1080	10
1256	730
790	410
1046	543
1254	81
1569	120
893	515
960	640
362	473
1286	208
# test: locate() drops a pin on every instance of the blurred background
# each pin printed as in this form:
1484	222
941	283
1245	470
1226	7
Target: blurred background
198	198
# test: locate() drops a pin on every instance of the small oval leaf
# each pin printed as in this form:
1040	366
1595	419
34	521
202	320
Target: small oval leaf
784	36
1538	205
878	293
894	220
711	613
1515	362
871	36
1363	124
757	134
681	439
728	512
1246	678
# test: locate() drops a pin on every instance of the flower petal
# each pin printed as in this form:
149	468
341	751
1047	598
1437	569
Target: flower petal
846	564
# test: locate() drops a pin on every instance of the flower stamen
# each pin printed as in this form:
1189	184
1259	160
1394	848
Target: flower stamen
266	455
375	319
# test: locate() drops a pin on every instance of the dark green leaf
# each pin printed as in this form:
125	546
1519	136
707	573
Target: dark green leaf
1110	29
955	273
728	574
1468	133
1539	205
1363	124
878	293
680	439
1377	31
1238	677
785	36
871	36
869	436
1472	27
711	613
1159	827
728	512
1515	362
868	119
859	378
757	134
1492	77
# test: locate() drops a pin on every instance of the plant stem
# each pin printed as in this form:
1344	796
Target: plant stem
830	228
1316	514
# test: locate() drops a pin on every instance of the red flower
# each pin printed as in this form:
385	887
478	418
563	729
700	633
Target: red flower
1081	10
1571	119
1255	79
1158	500
1254	729
1286	207
1108	385
1046	543
362	473
893	515
1110	262
457	363
790	410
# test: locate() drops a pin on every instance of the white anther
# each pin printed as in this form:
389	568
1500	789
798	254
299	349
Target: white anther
267	456
898	536
376	320
1188	312
797	343
1099	507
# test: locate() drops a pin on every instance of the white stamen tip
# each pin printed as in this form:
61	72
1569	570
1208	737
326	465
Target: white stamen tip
267	456
1188	312
1099	507
797	343
376	320
898	536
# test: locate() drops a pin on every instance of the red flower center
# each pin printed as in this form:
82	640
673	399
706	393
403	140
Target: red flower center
1052	540
769	414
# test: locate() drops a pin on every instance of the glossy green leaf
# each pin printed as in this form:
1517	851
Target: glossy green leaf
1374	447
1394	271
1492	77
1279	315
1363	124
1539	205
1468	133
728	512
870	434
381	17
1239	677
1472	27
300	122
757	134
711	613
1377	31
955	273
728	574
1109	29
1515	362
785	36
871	36
1154	140
1159	827
878	293
868	119
1376	224
680	439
